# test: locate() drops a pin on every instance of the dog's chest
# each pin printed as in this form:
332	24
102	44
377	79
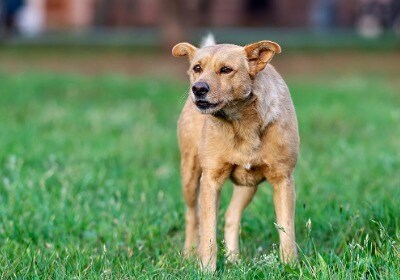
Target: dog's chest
245	151
239	144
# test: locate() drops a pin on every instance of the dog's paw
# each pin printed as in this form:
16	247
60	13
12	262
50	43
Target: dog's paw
209	267
232	257
289	255
190	252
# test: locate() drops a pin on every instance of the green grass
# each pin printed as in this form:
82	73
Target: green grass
89	181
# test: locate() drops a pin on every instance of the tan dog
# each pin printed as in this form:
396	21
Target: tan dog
238	122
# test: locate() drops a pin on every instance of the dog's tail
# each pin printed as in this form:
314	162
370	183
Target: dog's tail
207	41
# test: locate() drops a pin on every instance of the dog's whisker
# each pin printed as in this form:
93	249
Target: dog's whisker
183	97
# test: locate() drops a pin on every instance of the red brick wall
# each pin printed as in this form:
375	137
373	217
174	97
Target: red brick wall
69	13
287	13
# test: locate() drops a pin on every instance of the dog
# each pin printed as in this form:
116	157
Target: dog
238	122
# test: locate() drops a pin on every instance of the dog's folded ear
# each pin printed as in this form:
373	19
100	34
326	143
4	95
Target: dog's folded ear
259	54
184	49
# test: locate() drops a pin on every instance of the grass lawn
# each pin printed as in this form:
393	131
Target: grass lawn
89	181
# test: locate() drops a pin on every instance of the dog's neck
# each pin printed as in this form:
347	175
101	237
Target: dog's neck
241	124
236	109
242	119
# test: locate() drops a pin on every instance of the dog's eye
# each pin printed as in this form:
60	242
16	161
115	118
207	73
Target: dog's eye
225	70
197	68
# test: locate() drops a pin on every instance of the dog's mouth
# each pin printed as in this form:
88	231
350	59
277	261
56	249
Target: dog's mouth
206	107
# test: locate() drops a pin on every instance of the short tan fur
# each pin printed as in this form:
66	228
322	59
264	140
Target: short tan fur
244	128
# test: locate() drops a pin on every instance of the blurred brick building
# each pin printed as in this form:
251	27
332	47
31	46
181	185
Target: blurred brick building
61	14
148	13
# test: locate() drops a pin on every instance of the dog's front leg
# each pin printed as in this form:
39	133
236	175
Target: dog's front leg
284	201
208	200
210	188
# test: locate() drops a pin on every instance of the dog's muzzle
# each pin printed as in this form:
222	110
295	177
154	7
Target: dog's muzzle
203	105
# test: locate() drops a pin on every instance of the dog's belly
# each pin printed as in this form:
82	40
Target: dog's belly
250	177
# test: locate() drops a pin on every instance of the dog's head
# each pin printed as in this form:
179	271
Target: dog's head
221	75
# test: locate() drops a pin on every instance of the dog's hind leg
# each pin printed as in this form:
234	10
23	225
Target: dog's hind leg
191	172
240	199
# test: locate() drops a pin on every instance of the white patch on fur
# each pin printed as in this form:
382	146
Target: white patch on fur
208	41
248	166
268	87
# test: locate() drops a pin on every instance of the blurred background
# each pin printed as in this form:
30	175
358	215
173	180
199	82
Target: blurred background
89	163
136	27
157	22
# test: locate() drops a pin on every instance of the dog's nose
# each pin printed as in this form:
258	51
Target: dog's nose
200	89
